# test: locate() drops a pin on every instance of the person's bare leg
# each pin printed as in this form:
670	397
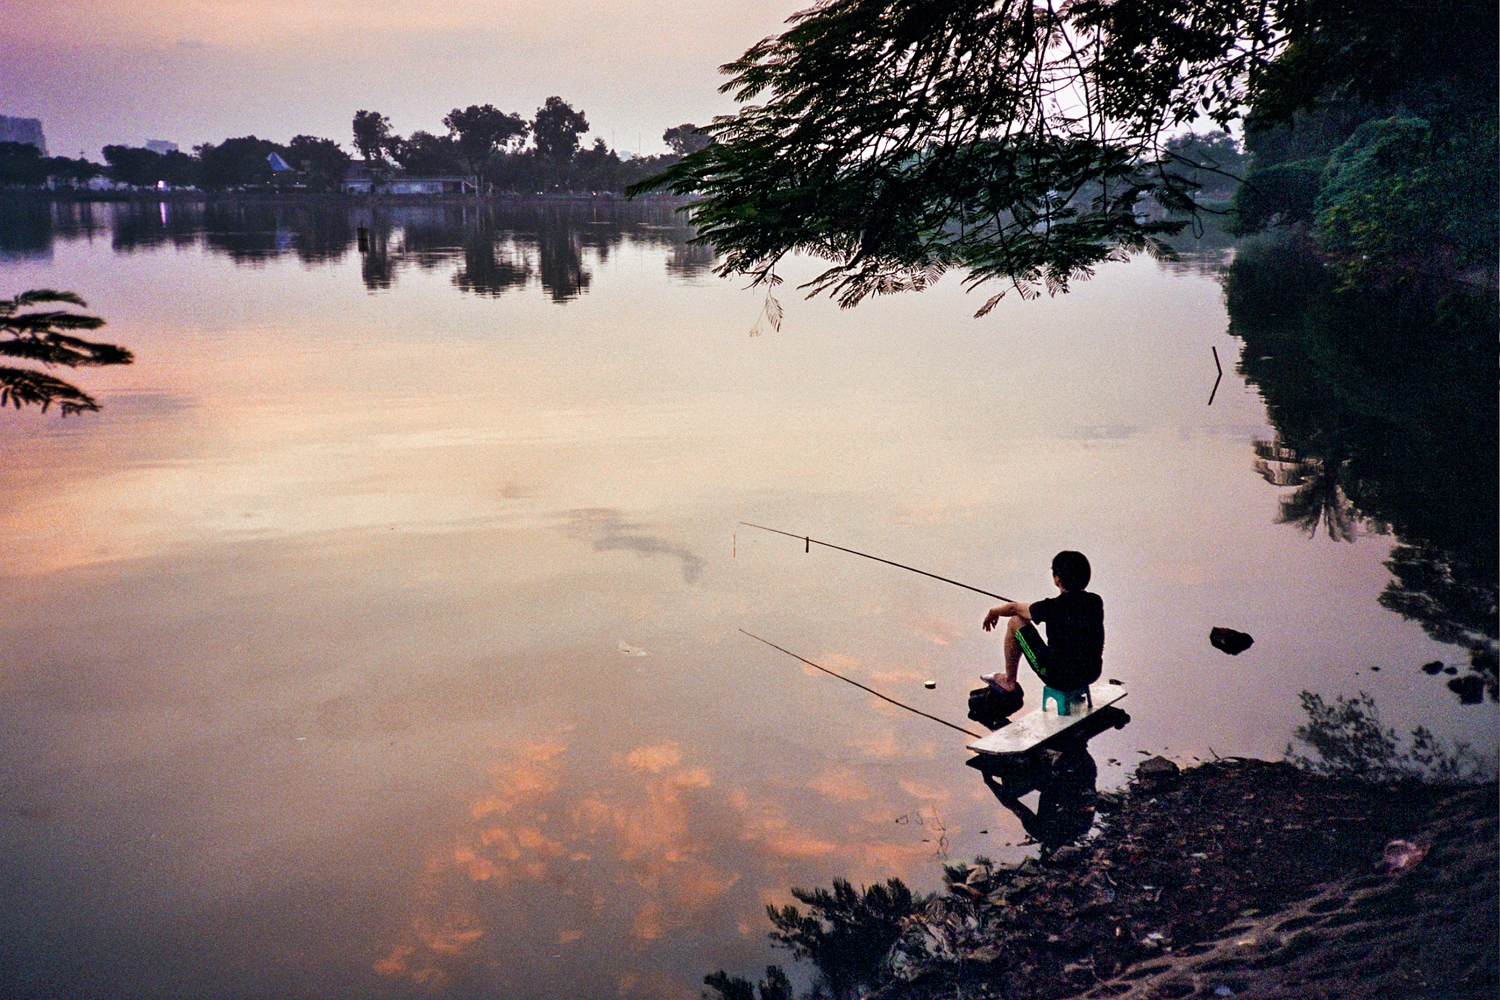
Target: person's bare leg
1012	648
1012	651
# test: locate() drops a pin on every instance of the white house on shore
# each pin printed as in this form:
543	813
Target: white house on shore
363	178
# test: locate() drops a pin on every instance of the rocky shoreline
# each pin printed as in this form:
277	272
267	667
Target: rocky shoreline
1236	878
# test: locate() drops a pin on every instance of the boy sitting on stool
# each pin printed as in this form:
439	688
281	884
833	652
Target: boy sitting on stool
1073	655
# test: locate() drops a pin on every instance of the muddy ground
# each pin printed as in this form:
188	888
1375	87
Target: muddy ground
1235	878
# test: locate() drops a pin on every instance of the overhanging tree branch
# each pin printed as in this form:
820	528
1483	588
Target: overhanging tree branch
38	337
897	139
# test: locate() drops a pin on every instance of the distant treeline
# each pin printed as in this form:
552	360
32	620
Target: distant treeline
491	150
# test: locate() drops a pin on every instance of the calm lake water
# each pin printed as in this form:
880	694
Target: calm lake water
384	635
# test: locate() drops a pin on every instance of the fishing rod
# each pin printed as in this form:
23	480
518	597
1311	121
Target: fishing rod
857	684
810	542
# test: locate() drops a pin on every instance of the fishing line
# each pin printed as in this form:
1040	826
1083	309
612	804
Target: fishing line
810	542
857	684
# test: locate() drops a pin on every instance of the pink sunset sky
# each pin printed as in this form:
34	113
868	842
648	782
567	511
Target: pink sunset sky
192	71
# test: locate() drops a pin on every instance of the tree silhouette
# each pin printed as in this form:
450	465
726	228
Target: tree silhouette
372	132
41	336
321	160
480	129
132	165
685	138
242	161
776	985
426	155
21	164
556	128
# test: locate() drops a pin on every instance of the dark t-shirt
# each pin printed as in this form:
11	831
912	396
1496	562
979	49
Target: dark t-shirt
1075	628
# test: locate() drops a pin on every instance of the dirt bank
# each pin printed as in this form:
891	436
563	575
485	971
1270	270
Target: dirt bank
1236	878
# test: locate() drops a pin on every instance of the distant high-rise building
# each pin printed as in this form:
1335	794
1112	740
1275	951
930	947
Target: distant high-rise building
27	130
161	146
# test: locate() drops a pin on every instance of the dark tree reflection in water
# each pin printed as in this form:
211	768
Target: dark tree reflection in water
1384	405
376	269
560	264
138	226
488	268
78	220
488	247
1317	493
493	248
28	230
691	260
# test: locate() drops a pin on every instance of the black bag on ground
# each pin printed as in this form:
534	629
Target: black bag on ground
991	707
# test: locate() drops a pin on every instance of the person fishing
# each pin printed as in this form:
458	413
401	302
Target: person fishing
1075	626
1073	655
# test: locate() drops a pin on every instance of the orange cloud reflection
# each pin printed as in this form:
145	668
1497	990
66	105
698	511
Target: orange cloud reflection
617	853
660	866
841	785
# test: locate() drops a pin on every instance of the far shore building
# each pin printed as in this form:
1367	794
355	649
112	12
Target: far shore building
427	185
368	178
360	178
161	146
23	130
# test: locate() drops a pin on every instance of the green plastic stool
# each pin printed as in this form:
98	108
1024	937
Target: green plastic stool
1064	699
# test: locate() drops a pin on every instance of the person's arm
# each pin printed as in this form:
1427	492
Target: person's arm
1007	610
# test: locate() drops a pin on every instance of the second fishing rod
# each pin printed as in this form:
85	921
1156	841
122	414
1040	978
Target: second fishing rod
808	542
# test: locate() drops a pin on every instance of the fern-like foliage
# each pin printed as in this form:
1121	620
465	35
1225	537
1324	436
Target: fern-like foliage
776	986
48	337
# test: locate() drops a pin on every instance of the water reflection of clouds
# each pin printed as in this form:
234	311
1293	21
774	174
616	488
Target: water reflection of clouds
940	631
634	852
880	747
150	404
1104	432
612	532
621	862
841	784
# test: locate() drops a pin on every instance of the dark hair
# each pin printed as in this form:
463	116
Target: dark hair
1072	569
